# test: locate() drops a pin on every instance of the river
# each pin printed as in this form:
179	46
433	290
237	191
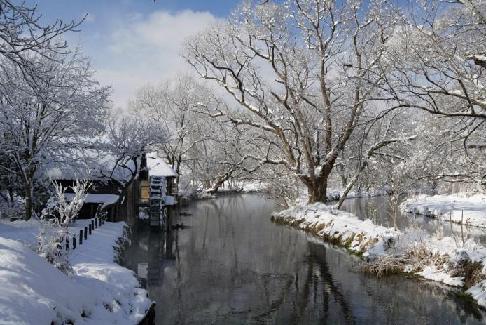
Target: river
232	265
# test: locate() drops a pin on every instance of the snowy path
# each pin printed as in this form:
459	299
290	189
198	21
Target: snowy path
100	291
27	231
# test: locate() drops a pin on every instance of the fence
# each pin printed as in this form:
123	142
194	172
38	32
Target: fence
82	236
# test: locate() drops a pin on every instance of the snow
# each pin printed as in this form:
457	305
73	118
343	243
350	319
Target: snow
373	241
106	199
32	289
335	194
254	186
99	291
27	231
432	273
327	221
158	167
24	231
454	205
89	164
478	292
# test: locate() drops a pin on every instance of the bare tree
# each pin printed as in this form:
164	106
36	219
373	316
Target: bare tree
211	150
171	108
22	33
131	136
303	72
437	59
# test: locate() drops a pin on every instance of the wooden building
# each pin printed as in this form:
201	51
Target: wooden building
121	192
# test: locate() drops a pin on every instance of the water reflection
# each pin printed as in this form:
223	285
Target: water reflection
380	211
233	266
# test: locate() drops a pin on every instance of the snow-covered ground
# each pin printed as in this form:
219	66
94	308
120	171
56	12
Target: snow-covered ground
453	206
24	231
335	194
432	257
360	236
99	292
27	231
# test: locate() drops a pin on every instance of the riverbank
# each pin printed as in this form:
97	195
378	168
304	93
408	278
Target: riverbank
99	291
459	208
385	250
226	189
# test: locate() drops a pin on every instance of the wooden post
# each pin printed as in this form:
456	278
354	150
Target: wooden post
89	228
81	236
461	229
86	233
451	224
67	243
74	242
92	224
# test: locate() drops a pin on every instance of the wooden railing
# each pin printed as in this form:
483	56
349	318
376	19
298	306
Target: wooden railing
78	239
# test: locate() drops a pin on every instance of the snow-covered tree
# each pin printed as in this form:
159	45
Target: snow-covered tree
303	72
224	155
60	212
129	137
436	64
170	107
47	113
67	209
22	33
210	151
437	59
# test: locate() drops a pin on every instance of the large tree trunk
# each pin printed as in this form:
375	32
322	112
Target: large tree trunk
218	183
178	171
29	198
317	191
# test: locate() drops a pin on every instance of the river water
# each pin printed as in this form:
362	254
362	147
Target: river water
232	265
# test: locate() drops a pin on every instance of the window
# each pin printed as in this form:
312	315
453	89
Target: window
144	192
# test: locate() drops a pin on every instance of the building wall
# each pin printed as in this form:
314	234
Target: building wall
127	208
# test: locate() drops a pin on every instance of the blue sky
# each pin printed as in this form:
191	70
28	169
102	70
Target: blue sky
135	42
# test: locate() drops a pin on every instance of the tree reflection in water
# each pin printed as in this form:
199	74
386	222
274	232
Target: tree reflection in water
233	266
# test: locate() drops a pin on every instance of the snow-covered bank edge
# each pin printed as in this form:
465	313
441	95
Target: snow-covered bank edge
98	292
336	194
459	208
385	250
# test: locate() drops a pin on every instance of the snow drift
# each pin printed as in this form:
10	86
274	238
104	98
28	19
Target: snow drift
100	291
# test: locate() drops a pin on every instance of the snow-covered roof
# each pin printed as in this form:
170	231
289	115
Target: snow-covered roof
158	167
106	199
89	164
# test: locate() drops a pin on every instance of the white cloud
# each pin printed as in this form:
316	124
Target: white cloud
147	49
89	17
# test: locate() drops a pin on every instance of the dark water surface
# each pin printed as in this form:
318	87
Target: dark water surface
232	265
